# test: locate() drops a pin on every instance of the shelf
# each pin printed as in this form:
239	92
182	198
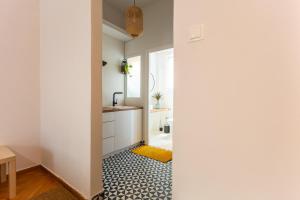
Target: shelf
115	31
155	110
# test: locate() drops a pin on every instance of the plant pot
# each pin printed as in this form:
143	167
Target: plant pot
157	105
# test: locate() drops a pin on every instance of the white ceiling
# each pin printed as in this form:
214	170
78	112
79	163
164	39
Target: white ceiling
115	31
123	4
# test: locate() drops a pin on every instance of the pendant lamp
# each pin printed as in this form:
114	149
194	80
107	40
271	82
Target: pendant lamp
134	20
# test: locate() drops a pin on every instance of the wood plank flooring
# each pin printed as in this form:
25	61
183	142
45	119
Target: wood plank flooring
31	183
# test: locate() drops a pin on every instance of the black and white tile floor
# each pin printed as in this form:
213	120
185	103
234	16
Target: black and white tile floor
128	176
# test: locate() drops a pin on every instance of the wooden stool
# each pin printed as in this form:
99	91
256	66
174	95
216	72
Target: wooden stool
7	157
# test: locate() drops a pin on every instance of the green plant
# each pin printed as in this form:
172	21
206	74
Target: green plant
125	67
157	96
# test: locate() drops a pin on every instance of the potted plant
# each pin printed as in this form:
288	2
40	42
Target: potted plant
157	96
125	67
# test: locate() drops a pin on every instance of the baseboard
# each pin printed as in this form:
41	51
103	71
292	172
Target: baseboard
21	171
126	148
58	179
99	196
66	185
28	169
24	170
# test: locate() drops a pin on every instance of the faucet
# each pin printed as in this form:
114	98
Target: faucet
115	101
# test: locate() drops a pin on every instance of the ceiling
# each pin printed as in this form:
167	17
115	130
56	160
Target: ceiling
123	4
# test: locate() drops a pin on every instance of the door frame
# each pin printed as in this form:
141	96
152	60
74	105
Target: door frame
146	88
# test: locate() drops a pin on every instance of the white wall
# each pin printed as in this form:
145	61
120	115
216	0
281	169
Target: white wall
112	78
45	85
65	31
158	32
241	139
161	66
19	80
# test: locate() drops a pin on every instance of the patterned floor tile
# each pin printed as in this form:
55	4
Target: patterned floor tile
128	176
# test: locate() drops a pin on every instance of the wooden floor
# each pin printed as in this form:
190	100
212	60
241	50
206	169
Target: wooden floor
31	183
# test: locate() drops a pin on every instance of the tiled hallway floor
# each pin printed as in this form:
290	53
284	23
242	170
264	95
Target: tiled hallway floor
128	176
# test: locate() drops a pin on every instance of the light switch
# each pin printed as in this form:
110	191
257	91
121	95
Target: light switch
196	33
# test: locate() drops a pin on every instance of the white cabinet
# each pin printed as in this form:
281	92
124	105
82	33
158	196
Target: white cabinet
124	129
108	129
137	133
108	117
108	145
108	133
129	128
121	129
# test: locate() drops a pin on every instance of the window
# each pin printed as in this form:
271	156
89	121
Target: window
133	79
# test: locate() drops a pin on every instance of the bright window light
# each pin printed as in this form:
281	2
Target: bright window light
133	79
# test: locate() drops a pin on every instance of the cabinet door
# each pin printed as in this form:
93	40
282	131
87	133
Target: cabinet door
123	129
108	117
128	128
108	129
137	133
108	145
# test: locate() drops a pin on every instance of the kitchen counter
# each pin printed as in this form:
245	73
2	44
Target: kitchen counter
107	109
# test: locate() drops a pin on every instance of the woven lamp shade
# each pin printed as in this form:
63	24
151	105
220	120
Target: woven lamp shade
134	21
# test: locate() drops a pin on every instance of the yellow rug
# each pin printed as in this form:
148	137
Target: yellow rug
154	153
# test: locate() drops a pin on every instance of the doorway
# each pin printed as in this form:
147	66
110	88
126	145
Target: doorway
160	98
125	101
